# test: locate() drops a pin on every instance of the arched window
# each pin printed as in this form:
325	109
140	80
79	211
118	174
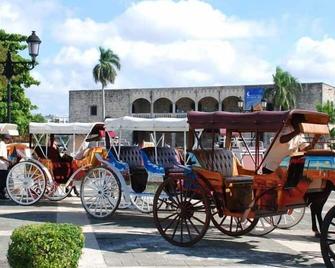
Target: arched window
230	104
208	104
163	105
184	105
141	106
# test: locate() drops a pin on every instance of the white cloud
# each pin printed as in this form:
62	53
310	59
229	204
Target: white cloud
72	55
160	43
166	21
163	21
24	16
313	60
75	31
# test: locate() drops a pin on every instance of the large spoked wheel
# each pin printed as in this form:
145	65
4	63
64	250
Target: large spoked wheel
231	225
144	201
266	225
26	183
181	211
56	191
327	240
100	192
292	218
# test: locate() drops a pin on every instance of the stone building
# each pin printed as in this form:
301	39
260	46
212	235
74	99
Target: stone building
85	105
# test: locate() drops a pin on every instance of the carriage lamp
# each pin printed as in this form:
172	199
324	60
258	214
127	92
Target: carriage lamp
33	45
33	42
240	104
264	104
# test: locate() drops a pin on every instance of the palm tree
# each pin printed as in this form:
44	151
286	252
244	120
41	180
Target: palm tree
105	71
328	108
285	91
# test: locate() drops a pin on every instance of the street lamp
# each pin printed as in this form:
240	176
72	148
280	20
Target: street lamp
264	104
240	104
8	65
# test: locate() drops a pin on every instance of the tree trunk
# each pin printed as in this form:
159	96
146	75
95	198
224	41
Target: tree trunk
103	104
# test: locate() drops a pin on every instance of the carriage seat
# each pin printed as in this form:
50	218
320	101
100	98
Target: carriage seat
119	165
87	157
61	168
222	161
150	166
167	158
138	175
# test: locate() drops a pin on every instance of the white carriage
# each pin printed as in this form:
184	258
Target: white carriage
138	186
51	169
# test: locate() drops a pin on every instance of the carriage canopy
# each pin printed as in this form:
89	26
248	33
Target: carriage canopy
145	124
263	121
10	129
65	128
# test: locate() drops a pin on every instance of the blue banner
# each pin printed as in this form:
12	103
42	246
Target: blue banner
252	96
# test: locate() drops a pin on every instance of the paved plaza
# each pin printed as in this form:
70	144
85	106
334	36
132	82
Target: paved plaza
130	238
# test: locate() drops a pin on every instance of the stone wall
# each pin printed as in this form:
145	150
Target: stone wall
310	96
119	102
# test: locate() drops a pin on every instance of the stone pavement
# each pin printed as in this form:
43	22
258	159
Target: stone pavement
130	238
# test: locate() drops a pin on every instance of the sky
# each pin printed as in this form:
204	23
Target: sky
168	43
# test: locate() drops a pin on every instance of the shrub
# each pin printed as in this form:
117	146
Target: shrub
45	245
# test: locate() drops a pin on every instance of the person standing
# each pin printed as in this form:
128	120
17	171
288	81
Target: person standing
4	164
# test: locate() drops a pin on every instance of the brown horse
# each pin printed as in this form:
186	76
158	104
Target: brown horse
316	202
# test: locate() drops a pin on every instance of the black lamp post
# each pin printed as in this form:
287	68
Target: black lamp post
240	104
9	71
264	104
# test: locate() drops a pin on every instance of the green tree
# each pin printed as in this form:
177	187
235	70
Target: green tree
285	91
21	105
329	109
105	71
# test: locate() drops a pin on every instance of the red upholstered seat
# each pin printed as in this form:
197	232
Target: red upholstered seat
61	168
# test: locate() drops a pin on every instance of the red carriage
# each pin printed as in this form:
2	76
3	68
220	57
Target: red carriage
220	190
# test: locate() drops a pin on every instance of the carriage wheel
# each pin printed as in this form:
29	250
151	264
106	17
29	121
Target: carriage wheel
327	240
144	202
25	183
181	211
57	191
292	218
123	203
266	225
100	192
230	225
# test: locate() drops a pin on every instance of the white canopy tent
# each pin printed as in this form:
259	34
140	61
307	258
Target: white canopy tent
61	128
10	129
153	125
77	133
145	124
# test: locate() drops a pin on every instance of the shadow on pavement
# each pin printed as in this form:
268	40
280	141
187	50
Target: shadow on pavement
35	216
212	247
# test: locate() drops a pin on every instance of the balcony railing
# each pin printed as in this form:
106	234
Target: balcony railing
155	115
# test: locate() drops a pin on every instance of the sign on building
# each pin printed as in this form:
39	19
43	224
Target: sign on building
252	96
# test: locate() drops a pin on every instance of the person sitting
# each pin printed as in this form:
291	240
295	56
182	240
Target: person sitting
288	142
53	152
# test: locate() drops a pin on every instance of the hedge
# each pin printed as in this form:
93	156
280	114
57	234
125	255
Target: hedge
45	245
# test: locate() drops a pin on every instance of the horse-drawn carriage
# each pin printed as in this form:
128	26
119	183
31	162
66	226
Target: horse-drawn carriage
135	172
58	158
233	198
